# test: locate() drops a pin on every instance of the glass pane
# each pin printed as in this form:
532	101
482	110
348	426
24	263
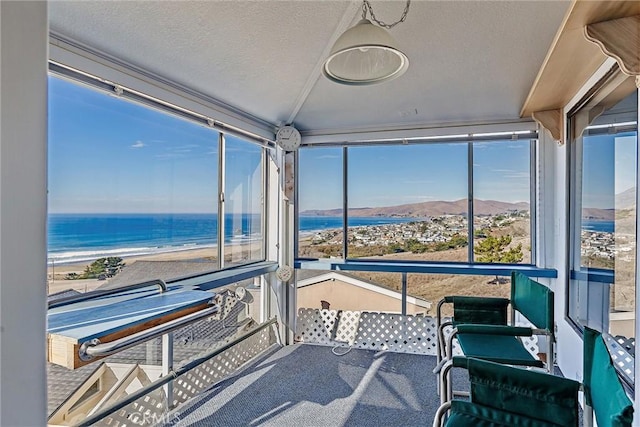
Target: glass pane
501	211
132	192
243	202
320	199
408	202
602	287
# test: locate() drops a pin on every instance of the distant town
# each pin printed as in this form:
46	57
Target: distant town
600	247
438	229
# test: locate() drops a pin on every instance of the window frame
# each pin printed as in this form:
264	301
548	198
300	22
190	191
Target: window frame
92	82
496	137
608	80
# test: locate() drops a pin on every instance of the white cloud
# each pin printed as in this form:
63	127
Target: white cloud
138	144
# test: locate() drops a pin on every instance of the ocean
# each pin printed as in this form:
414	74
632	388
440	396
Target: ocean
85	237
604	226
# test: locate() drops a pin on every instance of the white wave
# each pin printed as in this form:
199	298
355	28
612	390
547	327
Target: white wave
71	257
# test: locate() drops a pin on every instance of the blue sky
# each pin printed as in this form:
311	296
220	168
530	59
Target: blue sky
608	168
110	155
394	175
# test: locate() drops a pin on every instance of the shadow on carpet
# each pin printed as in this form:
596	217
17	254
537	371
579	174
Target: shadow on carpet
307	385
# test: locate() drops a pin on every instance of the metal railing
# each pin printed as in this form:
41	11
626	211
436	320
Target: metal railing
106	292
94	348
172	375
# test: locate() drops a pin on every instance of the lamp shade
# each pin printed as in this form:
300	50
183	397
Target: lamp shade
365	54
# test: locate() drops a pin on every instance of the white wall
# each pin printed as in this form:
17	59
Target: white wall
23	199
553	210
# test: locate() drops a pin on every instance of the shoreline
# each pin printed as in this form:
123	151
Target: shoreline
56	281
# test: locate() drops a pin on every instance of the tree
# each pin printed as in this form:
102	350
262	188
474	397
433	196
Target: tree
103	267
494	249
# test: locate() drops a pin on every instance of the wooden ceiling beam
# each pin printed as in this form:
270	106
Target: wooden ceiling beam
619	39
572	59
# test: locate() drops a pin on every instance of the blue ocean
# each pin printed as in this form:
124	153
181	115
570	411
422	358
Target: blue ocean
603	226
85	237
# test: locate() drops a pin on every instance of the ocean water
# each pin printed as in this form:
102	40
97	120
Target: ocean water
315	223
85	237
599	225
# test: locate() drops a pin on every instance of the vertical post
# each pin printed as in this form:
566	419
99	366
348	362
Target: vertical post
23	212
470	200
637	306
345	203
221	185
404	293
534	170
167	366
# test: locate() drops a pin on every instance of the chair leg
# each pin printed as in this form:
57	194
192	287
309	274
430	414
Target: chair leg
440	414
550	360
588	416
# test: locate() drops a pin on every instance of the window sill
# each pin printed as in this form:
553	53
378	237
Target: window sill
425	267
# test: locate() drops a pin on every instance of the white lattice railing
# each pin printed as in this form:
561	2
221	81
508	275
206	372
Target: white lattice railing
624	359
152	408
376	331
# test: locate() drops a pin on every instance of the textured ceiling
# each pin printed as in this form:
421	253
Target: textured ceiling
469	61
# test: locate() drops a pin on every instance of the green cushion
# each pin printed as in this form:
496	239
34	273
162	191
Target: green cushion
473	415
603	390
533	300
497	348
533	394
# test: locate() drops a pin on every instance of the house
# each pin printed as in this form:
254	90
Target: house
338	291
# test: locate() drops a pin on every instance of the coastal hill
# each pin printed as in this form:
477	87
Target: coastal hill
625	204
426	209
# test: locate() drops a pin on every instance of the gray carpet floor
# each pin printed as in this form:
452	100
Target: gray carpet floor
307	385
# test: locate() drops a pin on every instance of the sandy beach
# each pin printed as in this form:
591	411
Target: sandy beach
56	274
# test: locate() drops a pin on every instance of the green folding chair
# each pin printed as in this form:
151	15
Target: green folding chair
469	309
604	394
499	342
503	395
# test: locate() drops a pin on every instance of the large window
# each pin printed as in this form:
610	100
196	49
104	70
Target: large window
413	201
408	202
502	182
134	192
244	201
321	220
603	219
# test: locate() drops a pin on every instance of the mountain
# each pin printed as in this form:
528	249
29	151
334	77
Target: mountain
598	214
426	209
626	199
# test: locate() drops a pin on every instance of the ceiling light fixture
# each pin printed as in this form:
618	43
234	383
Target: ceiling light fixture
366	54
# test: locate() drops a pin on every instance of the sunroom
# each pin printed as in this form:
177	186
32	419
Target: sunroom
205	227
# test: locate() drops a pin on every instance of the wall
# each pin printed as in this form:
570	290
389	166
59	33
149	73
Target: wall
344	296
23	202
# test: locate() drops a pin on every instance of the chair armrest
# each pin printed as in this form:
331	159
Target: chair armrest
517	331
